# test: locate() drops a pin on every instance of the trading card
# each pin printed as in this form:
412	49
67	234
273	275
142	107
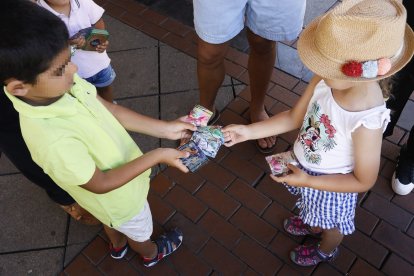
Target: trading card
94	38
199	116
278	162
209	139
196	159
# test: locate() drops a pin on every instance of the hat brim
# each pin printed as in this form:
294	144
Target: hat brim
328	69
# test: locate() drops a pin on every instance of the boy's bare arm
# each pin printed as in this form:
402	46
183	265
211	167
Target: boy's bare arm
136	122
103	182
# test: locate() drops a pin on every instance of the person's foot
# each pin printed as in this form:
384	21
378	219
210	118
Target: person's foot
403	178
309	255
80	214
166	244
265	145
295	226
118	252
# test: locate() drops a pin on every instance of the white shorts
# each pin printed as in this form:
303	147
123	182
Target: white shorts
139	228
218	21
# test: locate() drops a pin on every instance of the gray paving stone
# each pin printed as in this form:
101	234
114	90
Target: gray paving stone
6	166
43	262
123	37
29	219
406	120
80	233
315	8
287	59
137	72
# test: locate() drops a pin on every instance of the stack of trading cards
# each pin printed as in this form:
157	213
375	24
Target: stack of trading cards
197	157
209	139
278	162
199	116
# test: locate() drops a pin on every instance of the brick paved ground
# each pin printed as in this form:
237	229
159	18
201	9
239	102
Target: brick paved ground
231	212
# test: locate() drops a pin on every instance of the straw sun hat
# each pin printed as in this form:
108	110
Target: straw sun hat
358	40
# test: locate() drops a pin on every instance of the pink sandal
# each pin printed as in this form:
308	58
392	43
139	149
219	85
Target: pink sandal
309	255
295	226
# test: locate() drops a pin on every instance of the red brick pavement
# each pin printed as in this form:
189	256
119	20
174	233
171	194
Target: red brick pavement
231	211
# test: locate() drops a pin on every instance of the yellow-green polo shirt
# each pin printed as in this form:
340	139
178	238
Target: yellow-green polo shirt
73	135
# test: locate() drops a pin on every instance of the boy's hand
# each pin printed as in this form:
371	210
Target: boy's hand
78	42
102	47
297	178
171	157
178	129
234	134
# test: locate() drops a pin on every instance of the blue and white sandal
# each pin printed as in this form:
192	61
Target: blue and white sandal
166	244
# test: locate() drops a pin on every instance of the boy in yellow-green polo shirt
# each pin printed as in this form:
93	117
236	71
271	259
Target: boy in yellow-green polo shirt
79	139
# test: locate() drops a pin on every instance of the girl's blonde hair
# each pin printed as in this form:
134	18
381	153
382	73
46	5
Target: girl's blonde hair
387	85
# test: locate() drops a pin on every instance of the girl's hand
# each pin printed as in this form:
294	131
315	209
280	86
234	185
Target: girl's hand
78	42
178	129
171	157
234	134
102	47
297	178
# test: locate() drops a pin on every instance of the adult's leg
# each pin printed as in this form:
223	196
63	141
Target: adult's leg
210	71
260	66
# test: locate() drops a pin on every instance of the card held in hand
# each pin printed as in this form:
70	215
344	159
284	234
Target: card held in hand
199	116
278	162
209	139
196	159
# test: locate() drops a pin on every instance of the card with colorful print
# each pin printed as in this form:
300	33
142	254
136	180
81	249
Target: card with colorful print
196	159
278	162
199	116
209	139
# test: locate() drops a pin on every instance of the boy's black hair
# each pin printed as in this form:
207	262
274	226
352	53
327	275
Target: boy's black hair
31	37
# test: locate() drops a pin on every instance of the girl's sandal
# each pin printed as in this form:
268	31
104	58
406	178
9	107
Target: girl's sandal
309	255
295	226
166	244
80	214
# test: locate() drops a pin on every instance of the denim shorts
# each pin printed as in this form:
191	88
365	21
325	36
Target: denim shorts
103	78
218	21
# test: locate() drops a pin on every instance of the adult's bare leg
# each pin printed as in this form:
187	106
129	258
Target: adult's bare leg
261	61
210	71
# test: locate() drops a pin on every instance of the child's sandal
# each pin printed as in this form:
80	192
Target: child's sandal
295	226
166	244
309	255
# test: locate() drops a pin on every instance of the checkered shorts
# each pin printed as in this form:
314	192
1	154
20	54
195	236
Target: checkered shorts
325	209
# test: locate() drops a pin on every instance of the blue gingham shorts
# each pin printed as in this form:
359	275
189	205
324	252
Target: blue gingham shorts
324	209
218	21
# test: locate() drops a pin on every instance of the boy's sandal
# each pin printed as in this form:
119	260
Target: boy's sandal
295	226
166	244
80	214
309	255
118	252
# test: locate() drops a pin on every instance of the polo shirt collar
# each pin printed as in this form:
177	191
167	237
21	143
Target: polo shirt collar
65	106
74	5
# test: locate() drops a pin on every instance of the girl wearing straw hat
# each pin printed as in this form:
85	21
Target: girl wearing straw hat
341	116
